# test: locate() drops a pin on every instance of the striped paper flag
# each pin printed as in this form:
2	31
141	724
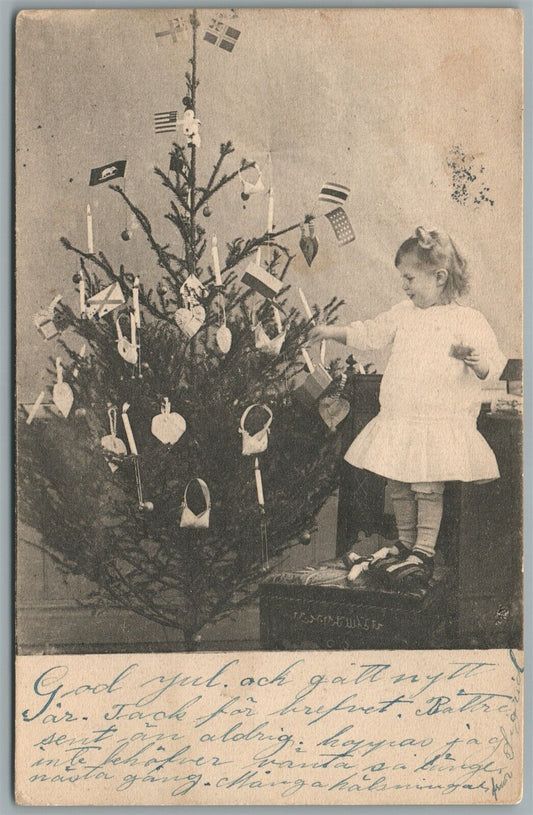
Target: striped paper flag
334	193
166	122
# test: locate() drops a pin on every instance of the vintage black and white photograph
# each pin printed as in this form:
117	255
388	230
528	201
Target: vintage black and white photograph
269	367
269	406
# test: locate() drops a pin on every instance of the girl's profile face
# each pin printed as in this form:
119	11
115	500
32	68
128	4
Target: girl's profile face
420	286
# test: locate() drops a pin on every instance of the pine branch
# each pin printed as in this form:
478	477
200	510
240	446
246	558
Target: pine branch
101	261
164	257
226	148
222	183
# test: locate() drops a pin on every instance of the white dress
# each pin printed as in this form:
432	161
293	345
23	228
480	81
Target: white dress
426	428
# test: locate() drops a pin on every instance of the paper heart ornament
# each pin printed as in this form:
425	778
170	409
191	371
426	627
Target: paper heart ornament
190	320
111	443
223	338
309	247
168	427
333	409
62	394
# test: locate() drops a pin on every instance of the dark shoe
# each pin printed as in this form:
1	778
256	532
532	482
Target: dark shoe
377	566
403	575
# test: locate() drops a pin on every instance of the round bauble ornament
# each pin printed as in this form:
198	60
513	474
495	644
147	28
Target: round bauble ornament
145	366
305	538
244	196
162	289
147	506
76	278
125	235
187	102
207	212
79	413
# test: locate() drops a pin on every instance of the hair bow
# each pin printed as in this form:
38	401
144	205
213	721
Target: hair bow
424	238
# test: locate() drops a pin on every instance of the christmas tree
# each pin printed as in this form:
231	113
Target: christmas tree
104	482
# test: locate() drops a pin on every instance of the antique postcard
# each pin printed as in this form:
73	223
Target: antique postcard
269	406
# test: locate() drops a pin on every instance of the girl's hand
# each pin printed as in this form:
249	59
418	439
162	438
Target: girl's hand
320	332
478	363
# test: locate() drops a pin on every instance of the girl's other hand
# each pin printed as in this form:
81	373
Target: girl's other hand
478	363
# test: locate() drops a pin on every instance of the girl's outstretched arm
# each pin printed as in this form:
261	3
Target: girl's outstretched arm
366	336
328	332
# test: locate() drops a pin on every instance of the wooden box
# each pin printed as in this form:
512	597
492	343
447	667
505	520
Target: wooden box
340	615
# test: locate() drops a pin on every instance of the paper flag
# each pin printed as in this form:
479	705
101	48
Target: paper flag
341	226
176	163
166	122
107	173
334	193
225	36
105	301
176	27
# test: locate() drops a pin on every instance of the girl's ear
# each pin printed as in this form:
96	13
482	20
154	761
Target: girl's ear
442	277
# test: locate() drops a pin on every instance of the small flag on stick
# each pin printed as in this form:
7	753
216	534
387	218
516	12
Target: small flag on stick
166	121
334	193
176	26
107	173
223	36
341	226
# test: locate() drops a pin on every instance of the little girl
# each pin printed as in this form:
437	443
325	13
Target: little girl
425	433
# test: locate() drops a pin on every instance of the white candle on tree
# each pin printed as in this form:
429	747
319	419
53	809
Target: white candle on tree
305	304
270	224
136	308
216	261
83	307
90	241
127	428
259	484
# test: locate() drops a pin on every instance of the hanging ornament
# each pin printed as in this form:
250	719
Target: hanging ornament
125	235
261	281
250	187
223	336
192	291
45	320
333	407
308	243
254	443
193	520
104	301
111	443
315	383
127	348
191	126
162	289
186	102
190	320
305	538
264	343
207	212
62	394
168	427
